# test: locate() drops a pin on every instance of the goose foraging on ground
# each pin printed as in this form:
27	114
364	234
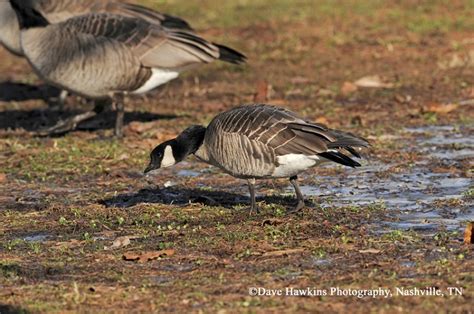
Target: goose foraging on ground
103	55
260	142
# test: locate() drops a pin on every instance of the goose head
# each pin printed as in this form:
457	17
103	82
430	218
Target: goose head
176	150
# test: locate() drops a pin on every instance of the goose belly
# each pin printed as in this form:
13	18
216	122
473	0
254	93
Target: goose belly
291	164
157	78
91	67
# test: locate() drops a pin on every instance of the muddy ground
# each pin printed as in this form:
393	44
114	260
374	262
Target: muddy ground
72	207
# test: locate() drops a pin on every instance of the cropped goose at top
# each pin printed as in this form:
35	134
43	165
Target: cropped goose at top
56	11
259	142
103	55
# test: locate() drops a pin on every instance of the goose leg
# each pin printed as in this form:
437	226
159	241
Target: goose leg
253	206
62	99
299	195
57	103
120	107
64	126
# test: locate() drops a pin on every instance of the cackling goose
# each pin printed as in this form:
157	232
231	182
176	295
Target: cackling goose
259	142
102	55
56	11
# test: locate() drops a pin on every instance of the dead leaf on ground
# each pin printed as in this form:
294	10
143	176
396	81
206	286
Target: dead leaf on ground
283	252
468	92
469	233
300	80
372	81
370	251
147	256
403	98
440	108
3	177
457	60
141	127
322	120
348	88
262	93
277	102
325	92
70	244
120	242
357	120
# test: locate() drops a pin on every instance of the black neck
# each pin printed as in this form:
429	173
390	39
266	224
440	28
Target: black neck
189	141
28	17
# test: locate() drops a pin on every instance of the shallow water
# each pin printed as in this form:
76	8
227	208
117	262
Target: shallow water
39	237
418	199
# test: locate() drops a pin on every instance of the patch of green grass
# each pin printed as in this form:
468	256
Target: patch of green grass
400	236
235	236
430	117
35	247
9	269
443	237
68	157
12	244
319	252
278	233
469	193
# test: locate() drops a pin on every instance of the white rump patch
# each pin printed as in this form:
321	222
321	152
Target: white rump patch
292	164
157	78
168	158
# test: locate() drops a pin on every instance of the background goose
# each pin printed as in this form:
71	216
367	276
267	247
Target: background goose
103	55
260	141
56	11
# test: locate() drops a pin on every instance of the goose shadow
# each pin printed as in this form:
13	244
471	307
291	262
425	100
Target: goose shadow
185	196
37	119
14	91
11	309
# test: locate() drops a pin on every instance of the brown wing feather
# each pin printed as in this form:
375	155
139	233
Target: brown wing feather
154	45
282	131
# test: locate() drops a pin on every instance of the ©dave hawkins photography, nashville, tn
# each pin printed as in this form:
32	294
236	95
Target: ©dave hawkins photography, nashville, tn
285	156
358	293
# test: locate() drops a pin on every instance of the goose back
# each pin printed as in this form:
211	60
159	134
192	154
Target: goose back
109	53
56	11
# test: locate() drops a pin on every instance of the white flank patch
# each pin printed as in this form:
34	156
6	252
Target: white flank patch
157	78
168	158
292	164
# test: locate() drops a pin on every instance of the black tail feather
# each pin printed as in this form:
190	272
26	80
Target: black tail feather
352	151
340	158
230	55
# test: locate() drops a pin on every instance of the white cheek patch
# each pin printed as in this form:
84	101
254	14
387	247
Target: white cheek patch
168	158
